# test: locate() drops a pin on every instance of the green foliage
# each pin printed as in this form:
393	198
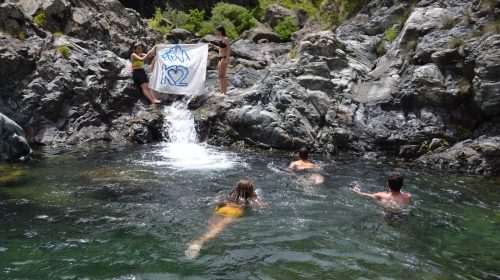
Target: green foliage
464	87
58	34
285	28
348	8
64	50
330	19
456	42
39	18
175	17
21	35
311	7
447	22
380	49
493	26
194	21
489	4
467	17
157	23
6	32
240	17
293	53
391	34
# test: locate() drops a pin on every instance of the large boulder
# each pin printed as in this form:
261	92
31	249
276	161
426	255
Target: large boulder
13	144
479	156
276	13
260	34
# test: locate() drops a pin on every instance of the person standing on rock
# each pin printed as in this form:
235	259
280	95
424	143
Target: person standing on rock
224	53
139	75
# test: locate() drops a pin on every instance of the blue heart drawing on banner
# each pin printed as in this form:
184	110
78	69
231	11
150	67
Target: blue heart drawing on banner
175	75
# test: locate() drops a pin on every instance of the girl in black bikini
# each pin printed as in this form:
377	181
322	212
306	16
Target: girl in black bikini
224	53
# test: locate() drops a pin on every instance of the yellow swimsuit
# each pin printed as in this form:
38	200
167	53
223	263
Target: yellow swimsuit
137	64
230	210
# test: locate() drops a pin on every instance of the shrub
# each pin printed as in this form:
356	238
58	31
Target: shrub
489	4
456	42
447	22
467	17
21	35
493	26
241	18
285	28
6	32
330	19
195	20
293	53
58	34
156	23
380	49
391	34
64	50
39	18
175	17
464	87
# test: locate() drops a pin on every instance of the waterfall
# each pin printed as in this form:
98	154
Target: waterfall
179	123
183	151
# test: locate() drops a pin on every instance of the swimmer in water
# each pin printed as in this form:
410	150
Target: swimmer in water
230	208
394	200
303	163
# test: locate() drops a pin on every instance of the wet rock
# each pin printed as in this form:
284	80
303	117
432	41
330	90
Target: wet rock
13	144
479	156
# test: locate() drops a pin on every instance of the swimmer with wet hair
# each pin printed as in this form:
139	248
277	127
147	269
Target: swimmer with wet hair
229	209
394	199
303	163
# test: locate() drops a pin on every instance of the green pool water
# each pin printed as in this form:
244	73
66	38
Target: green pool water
128	213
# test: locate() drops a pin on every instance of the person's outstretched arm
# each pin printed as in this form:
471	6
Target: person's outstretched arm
372	195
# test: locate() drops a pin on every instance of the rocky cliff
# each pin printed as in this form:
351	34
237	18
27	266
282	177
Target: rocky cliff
413	81
432	95
147	7
64	73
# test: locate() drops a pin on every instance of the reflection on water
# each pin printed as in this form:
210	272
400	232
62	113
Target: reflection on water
54	225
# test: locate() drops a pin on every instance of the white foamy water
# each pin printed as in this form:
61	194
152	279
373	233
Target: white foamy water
183	150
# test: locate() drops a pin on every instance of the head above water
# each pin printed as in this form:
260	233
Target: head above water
244	189
395	182
303	153
221	30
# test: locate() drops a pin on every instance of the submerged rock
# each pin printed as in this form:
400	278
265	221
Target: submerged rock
13	144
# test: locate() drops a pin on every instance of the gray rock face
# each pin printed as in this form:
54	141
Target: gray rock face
73	88
428	92
479	156
13	144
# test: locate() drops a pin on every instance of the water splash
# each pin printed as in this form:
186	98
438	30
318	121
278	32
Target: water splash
183	151
179	123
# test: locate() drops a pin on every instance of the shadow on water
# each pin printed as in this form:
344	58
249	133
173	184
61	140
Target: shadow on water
129	213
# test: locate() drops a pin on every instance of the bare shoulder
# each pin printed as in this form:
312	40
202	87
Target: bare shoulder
381	195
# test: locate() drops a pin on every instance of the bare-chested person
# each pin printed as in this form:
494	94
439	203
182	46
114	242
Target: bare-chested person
303	164
394	200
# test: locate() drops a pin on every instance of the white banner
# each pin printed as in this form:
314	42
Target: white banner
180	69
